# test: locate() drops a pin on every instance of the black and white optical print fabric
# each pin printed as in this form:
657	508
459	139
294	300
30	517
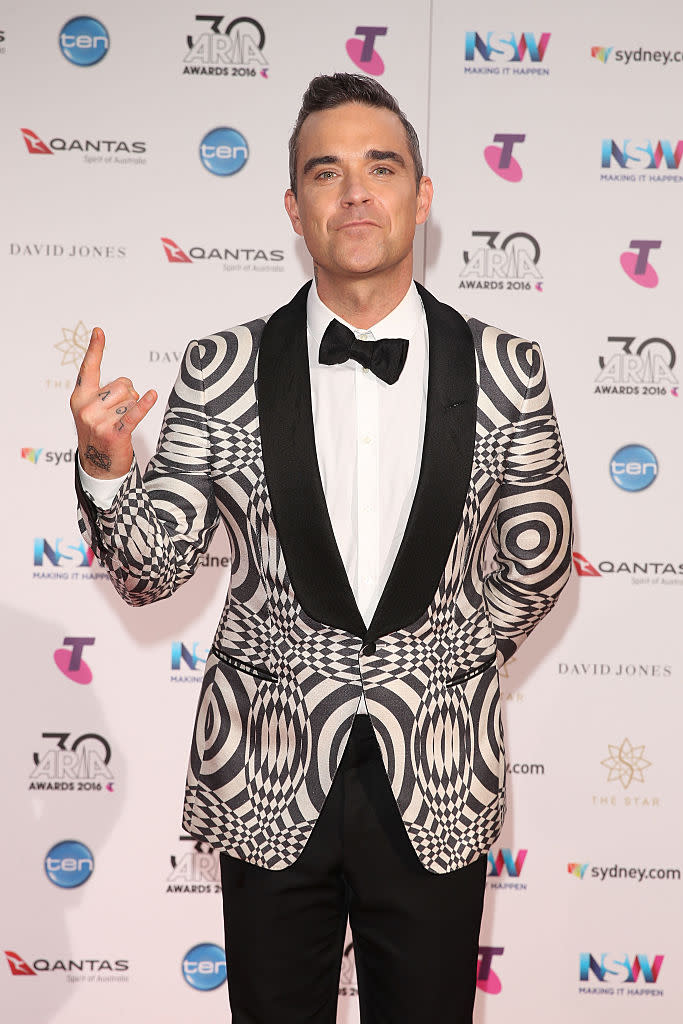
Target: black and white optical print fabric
281	689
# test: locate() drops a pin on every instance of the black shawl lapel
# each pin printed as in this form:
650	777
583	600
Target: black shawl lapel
445	471
300	512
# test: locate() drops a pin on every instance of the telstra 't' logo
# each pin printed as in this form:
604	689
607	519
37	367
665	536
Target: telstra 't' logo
362	51
500	158
71	663
637	265
487	979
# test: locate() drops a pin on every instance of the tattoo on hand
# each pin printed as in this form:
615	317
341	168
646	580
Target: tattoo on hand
121	410
78	381
99	459
119	426
104	394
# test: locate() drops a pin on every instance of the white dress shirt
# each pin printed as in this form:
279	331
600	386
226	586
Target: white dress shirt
368	438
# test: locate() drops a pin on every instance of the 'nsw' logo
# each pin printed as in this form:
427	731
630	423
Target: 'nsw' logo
505	860
502	47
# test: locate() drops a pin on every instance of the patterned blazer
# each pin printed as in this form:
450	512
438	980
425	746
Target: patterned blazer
291	653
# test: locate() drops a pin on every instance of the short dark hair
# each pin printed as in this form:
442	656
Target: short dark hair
328	91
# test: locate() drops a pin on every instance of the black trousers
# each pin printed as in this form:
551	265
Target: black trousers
415	933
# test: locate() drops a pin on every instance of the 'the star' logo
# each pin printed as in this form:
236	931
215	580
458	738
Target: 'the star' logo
73	344
626	763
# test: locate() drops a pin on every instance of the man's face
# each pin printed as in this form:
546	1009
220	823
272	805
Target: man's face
356	204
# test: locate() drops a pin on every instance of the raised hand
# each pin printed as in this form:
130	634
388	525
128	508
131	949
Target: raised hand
106	415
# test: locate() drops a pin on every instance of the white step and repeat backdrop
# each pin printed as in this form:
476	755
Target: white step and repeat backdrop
553	138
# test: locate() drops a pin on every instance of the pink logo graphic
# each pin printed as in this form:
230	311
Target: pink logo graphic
174	253
17	964
34	144
487	979
362	51
637	264
71	663
500	158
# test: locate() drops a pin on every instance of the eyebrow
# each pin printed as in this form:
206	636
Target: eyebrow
371	154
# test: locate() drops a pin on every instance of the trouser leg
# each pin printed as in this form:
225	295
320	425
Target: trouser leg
415	933
284	930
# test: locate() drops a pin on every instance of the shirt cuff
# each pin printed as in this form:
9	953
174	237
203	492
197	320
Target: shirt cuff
100	492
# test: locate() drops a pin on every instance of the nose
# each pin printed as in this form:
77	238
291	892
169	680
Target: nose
355	191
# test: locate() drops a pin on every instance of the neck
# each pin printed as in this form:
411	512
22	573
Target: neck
363	303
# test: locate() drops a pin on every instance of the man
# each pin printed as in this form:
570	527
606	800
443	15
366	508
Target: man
361	446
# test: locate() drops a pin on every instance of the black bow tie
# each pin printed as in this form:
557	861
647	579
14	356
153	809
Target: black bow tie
385	357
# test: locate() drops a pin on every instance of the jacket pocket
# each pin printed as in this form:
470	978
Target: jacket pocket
461	677
260	671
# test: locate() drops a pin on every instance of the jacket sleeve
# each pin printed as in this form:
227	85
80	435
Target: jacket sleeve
159	525
532	529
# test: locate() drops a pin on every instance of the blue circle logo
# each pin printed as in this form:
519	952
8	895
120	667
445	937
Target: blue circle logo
634	467
69	864
224	151
204	966
84	41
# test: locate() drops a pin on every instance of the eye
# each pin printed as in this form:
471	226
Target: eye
325	175
382	171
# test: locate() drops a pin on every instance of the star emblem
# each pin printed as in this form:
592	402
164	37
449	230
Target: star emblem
626	763
73	344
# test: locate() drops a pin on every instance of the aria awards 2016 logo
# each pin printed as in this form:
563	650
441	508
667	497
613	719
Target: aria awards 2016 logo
637	368
222	47
507	263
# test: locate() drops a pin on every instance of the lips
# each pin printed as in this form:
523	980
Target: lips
358	224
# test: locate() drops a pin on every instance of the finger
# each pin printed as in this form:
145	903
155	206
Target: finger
137	412
118	392
89	373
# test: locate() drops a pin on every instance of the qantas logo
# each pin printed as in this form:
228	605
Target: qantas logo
17	964
34	144
174	253
583	567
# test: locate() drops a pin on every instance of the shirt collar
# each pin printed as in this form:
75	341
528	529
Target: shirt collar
401	322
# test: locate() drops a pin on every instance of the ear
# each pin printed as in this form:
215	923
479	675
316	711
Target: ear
292	208
425	194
